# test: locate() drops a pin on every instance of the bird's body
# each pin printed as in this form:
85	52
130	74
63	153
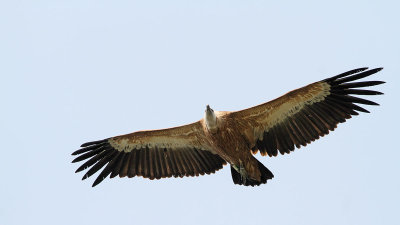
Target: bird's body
293	120
232	145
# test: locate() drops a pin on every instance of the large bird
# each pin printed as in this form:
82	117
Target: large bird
279	126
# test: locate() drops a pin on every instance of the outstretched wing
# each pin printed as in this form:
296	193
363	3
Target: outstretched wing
303	115
180	151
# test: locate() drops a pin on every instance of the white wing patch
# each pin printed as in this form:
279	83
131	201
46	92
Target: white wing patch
128	145
276	115
188	136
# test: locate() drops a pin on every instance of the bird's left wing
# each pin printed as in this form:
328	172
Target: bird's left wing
179	151
305	114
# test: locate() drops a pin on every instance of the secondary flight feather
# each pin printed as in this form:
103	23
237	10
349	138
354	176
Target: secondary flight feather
279	126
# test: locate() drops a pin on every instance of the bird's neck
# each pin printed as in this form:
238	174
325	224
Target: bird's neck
211	121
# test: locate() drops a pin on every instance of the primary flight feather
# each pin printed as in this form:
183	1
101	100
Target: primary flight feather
279	126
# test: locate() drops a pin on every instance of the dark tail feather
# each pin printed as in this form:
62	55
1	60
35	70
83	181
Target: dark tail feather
237	179
246	181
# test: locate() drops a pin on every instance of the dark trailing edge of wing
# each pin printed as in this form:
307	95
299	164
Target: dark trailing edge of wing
316	120
152	163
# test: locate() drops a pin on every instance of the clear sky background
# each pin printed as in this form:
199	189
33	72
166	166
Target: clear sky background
77	71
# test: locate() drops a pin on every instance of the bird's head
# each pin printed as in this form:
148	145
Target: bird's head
209	109
210	118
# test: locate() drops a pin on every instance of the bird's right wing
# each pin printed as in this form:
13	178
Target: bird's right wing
305	114
179	151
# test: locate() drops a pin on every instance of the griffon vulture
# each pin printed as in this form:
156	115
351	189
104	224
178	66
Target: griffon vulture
279	126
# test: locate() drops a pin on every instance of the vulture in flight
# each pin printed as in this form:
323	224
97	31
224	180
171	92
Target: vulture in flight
203	147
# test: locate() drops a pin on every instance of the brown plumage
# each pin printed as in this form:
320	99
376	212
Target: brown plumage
281	125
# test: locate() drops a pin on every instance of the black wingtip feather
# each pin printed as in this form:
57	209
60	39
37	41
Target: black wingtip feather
87	155
358	84
93	143
356	76
96	167
87	149
93	160
98	181
358	70
108	169
352	99
360	109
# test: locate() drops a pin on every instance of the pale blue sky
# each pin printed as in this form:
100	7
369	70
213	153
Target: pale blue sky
77	71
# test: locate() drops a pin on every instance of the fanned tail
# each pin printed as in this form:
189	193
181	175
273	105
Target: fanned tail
247	181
